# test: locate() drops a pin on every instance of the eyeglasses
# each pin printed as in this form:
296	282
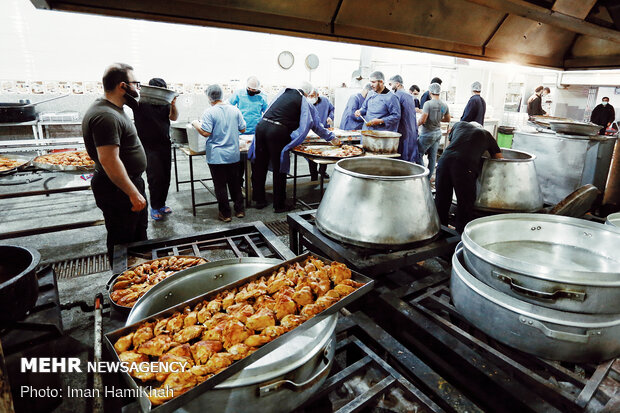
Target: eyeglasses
136	83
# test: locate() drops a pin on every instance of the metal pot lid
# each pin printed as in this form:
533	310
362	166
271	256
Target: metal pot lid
565	318
549	247
206	277
577	203
381	169
613	219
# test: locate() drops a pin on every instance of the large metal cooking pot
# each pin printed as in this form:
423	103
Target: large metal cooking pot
574	127
157	95
613	219
278	382
547	333
22	111
380	141
378	203
19	285
553	261
509	184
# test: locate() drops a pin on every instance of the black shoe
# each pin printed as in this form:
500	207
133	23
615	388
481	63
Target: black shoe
286	208
260	205
223	218
240	214
314	178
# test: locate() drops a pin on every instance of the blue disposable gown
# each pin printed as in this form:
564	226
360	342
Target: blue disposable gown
474	110
325	110
383	106
349	120
308	119
252	108
407	127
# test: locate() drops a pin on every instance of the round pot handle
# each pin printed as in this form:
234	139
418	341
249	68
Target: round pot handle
270	388
559	335
540	295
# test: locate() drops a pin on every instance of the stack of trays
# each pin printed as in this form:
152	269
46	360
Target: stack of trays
547	285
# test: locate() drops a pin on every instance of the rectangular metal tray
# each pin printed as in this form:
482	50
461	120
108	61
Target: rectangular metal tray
177	402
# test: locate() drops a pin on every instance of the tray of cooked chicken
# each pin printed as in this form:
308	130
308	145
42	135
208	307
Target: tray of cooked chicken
65	161
329	151
347	136
215	335
127	287
10	163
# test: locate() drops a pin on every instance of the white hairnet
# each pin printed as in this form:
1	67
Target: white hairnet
214	92
434	88
397	78
377	76
476	87
476	124
253	83
305	87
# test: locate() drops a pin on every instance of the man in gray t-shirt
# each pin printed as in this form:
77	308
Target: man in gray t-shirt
434	112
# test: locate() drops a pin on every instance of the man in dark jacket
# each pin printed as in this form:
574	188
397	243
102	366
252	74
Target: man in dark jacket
603	114
534	103
476	107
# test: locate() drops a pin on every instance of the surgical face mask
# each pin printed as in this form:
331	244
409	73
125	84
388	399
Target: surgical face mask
605	103
253	92
415	95
311	101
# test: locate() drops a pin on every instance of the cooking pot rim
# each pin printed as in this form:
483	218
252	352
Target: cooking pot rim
36	257
524	308
345	171
531	158
532	269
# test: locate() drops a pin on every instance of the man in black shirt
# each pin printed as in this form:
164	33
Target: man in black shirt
112	142
458	169
604	115
153	125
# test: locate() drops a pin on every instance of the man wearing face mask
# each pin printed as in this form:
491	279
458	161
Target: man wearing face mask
604	115
534	103
112	141
325	110
284	126
407	127
415	92
349	120
381	108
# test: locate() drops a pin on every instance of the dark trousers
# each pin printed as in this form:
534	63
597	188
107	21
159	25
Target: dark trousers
270	140
454	174
159	160
227	175
312	167
124	226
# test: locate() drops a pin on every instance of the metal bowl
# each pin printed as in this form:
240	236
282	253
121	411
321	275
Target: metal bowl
156	95
391	200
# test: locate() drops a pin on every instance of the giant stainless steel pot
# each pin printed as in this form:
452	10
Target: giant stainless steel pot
19	285
547	333
278	382
509	184
613	219
553	261
378	203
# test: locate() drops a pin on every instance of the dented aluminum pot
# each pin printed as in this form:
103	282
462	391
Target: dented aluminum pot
509	184
388	203
380	141
543	332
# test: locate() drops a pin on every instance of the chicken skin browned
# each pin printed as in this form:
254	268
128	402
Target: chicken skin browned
209	336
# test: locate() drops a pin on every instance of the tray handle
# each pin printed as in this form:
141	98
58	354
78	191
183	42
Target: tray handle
540	295
291	385
559	335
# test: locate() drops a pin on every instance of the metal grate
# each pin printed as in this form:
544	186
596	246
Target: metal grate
280	228
81	266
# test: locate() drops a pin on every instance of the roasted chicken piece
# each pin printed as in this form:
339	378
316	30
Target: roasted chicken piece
161	327
124	343
189	333
303	296
216	319
265	301
190	319
204	314
276	284
170	363
228	299
156	346
240	311
257	340
351	283
214	306
240	351
338	272
182	351
309	267
175	323
175	385
215	364
214	333
132	357
291	321
343	289
285	304
310	311
273	331
143	333
203	350
322	286
234	332
251	290
261	320
326	301
138	365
